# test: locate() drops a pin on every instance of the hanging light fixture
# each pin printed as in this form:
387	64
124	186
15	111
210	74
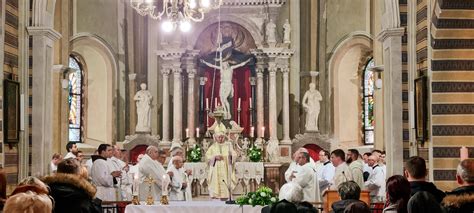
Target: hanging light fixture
175	13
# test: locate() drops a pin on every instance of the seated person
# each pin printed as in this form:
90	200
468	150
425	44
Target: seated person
71	192
283	206
357	207
293	193
29	201
349	192
423	201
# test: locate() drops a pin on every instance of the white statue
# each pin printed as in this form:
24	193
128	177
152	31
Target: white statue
286	32
311	100
272	151
226	89
243	149
270	30
143	99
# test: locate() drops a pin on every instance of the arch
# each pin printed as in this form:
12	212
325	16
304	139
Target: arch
248	25
344	67
101	70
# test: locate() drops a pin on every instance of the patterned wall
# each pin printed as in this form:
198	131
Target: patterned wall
406	126
10	71
452	87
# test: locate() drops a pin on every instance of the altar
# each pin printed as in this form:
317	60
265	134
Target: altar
193	206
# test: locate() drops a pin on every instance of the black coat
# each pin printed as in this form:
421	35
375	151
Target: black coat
423	186
72	194
340	206
460	200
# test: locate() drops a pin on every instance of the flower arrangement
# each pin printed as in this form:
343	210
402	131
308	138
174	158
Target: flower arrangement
254	154
194	154
262	197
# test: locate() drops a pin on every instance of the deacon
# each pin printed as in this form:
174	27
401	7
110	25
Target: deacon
289	174
103	175
151	166
326	175
180	186
220	157
306	177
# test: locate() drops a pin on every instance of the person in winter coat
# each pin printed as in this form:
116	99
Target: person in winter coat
461	199
415	172
71	192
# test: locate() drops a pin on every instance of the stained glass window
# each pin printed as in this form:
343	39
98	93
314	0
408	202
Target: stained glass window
368	103
75	101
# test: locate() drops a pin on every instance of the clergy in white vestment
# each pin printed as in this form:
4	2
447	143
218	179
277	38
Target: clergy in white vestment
134	168
103	175
71	148
367	168
343	172
151	166
220	158
376	182
124	185
55	161
180	185
357	167
294	164
326	175
306	177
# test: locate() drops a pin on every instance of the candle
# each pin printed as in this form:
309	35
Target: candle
238	105
252	129
250	102
464	153
135	184
197	132
207	103
215	104
263	131
187	132
164	188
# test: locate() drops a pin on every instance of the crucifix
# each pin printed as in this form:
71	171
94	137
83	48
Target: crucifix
149	200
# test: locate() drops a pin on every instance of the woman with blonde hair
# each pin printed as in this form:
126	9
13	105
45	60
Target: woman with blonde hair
29	202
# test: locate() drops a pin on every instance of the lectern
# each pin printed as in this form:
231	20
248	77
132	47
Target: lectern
331	196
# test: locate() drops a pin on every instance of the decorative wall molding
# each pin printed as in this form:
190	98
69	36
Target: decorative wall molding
441	175
450	152
452	65
453	130
452	86
442	109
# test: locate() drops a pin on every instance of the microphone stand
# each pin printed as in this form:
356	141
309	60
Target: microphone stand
230	201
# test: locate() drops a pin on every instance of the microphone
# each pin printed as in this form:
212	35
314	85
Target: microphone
229	201
345	178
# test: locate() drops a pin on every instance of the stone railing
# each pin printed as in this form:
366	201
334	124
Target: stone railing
253	2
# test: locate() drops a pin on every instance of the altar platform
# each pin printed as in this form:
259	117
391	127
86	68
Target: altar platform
192	206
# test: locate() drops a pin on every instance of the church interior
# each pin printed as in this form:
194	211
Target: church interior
279	75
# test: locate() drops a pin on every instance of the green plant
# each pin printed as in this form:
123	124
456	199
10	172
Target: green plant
262	197
194	154
254	154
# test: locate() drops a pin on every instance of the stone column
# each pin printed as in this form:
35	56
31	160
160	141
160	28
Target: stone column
191	101
286	106
166	105
177	105
260	115
133	107
273	125
392	95
42	133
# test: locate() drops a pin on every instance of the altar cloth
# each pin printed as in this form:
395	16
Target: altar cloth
194	207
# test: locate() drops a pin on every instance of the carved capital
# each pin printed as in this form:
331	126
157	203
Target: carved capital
191	72
202	81
253	81
165	71
176	70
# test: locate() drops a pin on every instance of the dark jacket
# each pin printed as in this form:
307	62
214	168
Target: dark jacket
459	200
340	206
419	186
72	194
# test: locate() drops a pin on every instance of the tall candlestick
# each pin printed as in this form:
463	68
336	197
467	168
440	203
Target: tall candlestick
238	105
252	129
263	131
187	132
207	103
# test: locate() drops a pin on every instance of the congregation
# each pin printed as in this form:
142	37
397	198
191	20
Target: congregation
76	185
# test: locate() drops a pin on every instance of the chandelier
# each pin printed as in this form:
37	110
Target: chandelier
175	13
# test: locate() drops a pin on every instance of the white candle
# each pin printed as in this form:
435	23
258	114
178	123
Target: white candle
250	102
207	103
187	132
215	104
135	184
252	129
263	131
238	105
164	190
197	132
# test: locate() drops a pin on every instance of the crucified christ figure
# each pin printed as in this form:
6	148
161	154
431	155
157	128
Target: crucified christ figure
226	88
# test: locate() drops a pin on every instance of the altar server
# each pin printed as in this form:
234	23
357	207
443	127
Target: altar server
151	167
180	185
306	177
124	185
376	182
326	175
103	175
343	172
294	164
